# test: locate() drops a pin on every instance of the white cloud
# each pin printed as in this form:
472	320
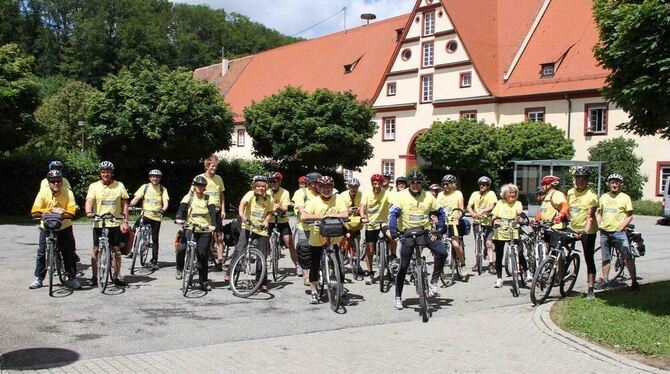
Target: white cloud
292	16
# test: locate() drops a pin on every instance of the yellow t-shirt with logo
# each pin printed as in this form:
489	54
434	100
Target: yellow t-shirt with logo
580	202
46	200
377	207
153	200
107	199
256	210
415	211
301	202
282	198
44	185
214	189
614	210
318	206
554	198
449	201
504	209
479	202
198	212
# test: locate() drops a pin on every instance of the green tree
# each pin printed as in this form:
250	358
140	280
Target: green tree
635	46
619	157
532	141
19	96
148	114
323	129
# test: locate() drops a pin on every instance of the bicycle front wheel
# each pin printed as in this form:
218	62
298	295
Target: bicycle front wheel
144	250
51	265
543	281
507	261
384	271
104	267
618	264
448	276
515	273
421	290
479	249
137	244
527	249
246	278
275	257
334	282
189	270
570	272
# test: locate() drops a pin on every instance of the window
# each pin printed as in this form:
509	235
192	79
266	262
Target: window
428	54
388	131
426	88
406	54
429	23
535	114
452	46
662	174
388	167
240	138
466	79
595	119
548	70
469	115
390	89
347	174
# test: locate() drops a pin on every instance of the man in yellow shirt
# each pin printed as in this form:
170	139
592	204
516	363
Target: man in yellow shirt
282	201
351	198
215	190
615	212
583	203
302	230
155	201
450	199
107	196
56	200
480	205
374	208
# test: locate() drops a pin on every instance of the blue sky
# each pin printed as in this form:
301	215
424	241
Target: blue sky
293	16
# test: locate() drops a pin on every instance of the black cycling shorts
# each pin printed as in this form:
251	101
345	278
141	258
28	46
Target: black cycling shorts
113	234
283	227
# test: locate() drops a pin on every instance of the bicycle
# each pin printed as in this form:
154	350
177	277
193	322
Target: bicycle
480	245
331	265
548	274
248	268
418	269
512	252
191	264
142	241
452	263
54	260
637	249
276	243
386	272
104	251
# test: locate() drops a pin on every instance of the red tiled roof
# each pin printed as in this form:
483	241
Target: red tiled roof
319	63
212	74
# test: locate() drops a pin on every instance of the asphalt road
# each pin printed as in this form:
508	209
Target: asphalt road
152	315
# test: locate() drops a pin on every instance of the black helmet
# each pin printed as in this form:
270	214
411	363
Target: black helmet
582	171
416	175
54	174
388	177
199	181
313	177
449	179
55	165
401	179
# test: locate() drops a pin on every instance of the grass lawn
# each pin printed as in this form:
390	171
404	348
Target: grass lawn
634	323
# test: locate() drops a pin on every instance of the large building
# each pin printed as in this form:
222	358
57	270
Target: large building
503	61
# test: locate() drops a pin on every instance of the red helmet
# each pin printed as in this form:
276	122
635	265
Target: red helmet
277	175
377	177
325	180
302	180
551	179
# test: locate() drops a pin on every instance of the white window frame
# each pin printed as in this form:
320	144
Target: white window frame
428	55
388	167
465	83
533	116
389	129
391	89
347	174
426	88
597	113
241	134
429	23
548	70
663	173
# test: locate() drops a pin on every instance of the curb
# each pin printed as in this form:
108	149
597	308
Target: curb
543	322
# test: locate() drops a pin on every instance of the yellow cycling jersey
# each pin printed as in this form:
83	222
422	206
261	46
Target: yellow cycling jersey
300	200
551	202
347	201
415	211
449	201
198	211
282	198
44	185
107	199
47	200
580	202
614	210
318	206
214	189
256	209
504	209
153	200
480	201
376	206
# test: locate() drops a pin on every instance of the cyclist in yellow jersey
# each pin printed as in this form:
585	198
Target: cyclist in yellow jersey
449	199
215	189
507	207
351	198
615	212
302	231
388	182
56	200
583	204
107	196
155	201
435	189
480	205
375	207
413	208
324	205
554	208
282	201
56	165
196	208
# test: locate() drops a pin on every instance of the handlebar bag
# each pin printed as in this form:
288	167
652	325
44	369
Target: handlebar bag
331	228
421	237
52	221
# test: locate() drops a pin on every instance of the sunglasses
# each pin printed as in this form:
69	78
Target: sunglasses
415	182
56	181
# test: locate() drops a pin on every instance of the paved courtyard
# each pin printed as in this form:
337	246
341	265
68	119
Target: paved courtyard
150	327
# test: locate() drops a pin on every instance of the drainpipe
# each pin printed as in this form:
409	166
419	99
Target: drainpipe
567	97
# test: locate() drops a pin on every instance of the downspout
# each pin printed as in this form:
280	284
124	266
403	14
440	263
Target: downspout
567	97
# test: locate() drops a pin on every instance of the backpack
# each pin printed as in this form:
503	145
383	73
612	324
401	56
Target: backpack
146	187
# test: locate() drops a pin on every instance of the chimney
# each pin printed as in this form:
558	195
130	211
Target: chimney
398	34
224	63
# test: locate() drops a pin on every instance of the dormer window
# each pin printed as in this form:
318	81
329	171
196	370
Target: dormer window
548	70
348	68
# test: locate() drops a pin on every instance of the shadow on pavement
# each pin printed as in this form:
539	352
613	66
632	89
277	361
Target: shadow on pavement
43	358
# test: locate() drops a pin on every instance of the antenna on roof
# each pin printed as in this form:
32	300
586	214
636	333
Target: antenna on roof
368	17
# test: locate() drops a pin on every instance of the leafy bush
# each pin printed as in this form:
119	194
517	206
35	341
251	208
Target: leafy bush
647	208
619	157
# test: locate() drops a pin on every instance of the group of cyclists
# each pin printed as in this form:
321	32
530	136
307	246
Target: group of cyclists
381	211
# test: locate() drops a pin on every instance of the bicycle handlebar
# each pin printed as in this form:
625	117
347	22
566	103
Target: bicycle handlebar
106	217
186	225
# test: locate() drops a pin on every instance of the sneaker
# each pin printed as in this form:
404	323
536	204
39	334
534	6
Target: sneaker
474	268
305	281
74	284
205	286
119	282
432	290
635	287
590	295
178	275
154	266
464	271
602	285
37	283
298	271
397	303
94	281
498	283
314	299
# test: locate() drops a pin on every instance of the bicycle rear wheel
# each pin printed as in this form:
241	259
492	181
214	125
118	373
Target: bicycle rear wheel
543	281
355	257
334	282
527	249
187	273
570	272
515	273
104	267
245	279
421	290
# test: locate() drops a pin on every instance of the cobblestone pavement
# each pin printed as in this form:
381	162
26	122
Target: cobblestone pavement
150	327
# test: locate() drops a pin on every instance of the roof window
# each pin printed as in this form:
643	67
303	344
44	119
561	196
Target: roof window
348	68
548	70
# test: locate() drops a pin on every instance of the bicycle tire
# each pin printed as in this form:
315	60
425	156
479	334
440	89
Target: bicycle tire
60	267
507	261
479	255
334	283
619	264
539	253
356	259
104	267
568	281
187	272
137	242
384	271
275	258
530	257
241	267
422	290
516	291
144	250
543	281
448	277
51	265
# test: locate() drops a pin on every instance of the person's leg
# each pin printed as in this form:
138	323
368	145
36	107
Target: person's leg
405	257
588	246
114	235
218	237
66	247
40	259
285	230
240	246
606	255
181	252
202	249
263	245
440	255
315	263
371	237
304	253
621	240
499	246
490	248
94	254
155	233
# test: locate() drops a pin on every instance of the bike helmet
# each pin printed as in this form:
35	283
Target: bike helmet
55	165
540	191
484	180
582	171
199	181
449	179
259	178
388	177
302	180
435	187
377	177
353	182
54	174
616	176
551	180
275	175
313	177
416	176
155	172
325	180
401	179
106	165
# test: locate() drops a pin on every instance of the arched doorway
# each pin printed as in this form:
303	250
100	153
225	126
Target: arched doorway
411	158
